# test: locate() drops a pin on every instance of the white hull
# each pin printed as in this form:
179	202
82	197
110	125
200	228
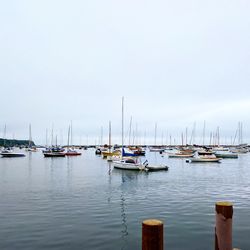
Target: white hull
205	160
12	155
180	155
128	166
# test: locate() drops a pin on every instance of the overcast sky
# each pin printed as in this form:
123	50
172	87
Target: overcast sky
176	62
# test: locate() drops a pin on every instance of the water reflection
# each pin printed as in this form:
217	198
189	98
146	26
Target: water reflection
124	221
127	179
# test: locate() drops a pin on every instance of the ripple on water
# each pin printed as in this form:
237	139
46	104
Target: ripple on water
82	203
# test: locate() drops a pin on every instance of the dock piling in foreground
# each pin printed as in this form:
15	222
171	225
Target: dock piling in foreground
152	235
223	225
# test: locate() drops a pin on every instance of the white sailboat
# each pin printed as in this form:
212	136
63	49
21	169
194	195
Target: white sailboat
133	163
71	151
127	163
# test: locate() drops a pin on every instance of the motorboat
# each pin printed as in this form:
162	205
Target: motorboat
129	164
11	154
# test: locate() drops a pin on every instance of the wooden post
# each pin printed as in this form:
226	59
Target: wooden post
223	228
152	235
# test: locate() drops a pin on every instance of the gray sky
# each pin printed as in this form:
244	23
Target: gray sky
176	62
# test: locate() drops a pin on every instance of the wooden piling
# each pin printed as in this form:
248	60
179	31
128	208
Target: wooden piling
152	235
223	228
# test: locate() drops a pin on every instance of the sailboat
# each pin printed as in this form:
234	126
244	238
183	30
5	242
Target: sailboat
156	148
8	152
30	147
126	163
53	151
70	151
132	163
107	153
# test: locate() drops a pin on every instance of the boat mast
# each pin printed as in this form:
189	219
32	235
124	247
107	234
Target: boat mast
136	135
4	136
186	135
101	136
203	135
122	123
218	134
71	134
30	135
210	140
130	125
46	139
52	135
155	132
68	136
109	136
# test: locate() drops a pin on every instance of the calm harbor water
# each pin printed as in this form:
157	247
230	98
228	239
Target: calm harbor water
83	203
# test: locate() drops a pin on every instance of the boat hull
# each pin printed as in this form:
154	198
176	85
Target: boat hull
227	156
128	166
54	154
72	153
200	160
10	155
180	155
156	168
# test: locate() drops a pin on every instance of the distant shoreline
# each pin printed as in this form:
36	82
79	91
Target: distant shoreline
14	142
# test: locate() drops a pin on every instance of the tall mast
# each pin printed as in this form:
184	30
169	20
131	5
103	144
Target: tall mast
122	121
192	138
186	134
30	135
136	135
210	140
4	135
155	132
240	133
218	134
101	136
130	125
71	134
46	140
109	135
203	135
235	136
52	135
68	136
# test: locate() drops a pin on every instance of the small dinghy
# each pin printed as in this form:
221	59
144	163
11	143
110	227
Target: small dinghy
156	167
204	159
179	155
